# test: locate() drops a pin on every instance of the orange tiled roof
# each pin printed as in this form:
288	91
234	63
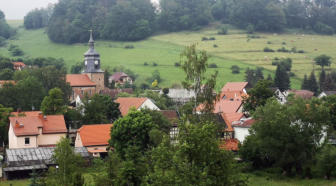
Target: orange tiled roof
245	124
127	103
95	135
230	144
79	80
27	123
234	86
18	64
2	82
229	118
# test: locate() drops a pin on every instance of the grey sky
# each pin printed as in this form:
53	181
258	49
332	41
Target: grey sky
17	9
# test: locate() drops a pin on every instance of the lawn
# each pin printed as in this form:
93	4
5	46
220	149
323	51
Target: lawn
14	183
164	49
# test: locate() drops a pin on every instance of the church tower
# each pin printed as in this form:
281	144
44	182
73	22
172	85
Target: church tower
92	66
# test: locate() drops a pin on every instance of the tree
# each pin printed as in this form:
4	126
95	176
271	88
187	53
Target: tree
194	64
53	103
37	18
5	30
323	60
68	163
326	161
100	109
258	95
195	160
6	74
305	83
286	136
4	114
313	86
322	80
281	79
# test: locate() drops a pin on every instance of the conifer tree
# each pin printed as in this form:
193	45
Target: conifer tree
313	86
329	83
281	79
322	80
305	83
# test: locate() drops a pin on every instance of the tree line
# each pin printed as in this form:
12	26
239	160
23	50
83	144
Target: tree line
5	30
130	20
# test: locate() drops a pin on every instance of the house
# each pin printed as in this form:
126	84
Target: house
326	93
282	96
113	93
138	103
229	118
20	162
33	129
241	128
91	80
173	117
94	138
18	66
120	78
180	96
6	82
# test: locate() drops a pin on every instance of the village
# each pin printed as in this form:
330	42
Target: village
33	135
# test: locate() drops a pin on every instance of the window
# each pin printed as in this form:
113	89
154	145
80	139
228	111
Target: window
27	141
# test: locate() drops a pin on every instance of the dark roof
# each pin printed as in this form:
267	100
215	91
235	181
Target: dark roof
116	76
171	115
329	93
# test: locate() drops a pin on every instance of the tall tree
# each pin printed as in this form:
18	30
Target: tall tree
281	79
305	83
322	80
53	103
323	60
4	114
313	86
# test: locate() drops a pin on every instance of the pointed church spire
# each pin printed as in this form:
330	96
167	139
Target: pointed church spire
91	41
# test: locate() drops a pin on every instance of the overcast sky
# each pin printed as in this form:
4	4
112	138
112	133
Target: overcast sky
17	9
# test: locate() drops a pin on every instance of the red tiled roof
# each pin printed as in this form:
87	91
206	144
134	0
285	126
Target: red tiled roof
229	118
305	94
127	103
2	82
95	135
245	124
234	86
79	80
227	106
18	64
31	121
230	144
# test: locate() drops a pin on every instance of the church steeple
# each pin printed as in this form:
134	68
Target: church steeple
91	58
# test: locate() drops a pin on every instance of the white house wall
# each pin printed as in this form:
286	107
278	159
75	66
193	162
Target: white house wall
49	139
78	142
241	133
149	104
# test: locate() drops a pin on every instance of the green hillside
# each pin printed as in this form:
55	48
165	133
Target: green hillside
164	49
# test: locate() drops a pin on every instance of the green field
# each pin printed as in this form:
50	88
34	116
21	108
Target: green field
164	49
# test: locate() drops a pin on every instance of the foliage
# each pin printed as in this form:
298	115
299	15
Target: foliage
6	74
68	163
286	136
267	49
77	68
326	161
38	18
195	160
53	103
100	109
312	83
15	50
305	84
223	30
323	60
4	114
281	79
73	118
184	14
322	28
257	96
5	30
253	76
162	101
155	77
212	65
194	64
235	69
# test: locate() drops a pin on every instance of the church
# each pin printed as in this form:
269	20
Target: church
91	80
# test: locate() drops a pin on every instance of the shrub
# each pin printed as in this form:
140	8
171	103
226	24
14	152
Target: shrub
275	63
301	51
213	65
293	50
322	28
205	39
215	46
291	74
253	36
177	64
212	38
2	41
129	47
266	49
283	49
235	69
223	30
250	29
283	43
269	42
145	64
154	64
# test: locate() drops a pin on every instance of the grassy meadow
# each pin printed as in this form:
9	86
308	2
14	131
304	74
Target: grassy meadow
235	48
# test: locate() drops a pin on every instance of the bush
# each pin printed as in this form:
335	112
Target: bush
301	51
284	43
253	36
213	65
212	38
250	29
154	64
215	46
205	39
293	50
269	42
223	30
235	69
177	64
266	49
283	49
145	64
322	28
129	47
2	41
291	74
15	50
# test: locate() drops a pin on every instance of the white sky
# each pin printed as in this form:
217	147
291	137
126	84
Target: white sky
17	9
